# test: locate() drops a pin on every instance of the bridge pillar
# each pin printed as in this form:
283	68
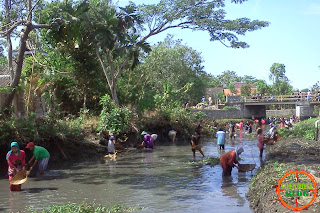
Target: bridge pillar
304	111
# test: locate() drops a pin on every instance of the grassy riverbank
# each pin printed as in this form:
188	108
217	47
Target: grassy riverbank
287	154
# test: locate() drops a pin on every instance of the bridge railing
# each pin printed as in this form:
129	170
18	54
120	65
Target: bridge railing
282	98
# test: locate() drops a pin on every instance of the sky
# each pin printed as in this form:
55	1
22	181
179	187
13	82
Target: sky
292	39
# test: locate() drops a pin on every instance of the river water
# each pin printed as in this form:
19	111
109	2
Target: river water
162	180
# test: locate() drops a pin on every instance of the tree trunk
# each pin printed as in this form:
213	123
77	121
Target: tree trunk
114	93
17	73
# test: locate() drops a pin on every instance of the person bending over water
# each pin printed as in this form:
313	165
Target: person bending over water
40	155
229	160
147	140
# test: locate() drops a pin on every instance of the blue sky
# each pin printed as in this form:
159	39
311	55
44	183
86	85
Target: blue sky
293	38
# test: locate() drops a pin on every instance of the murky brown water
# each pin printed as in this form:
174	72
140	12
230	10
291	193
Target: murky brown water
162	180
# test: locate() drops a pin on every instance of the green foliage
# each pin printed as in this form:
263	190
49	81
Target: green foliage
112	117
246	90
232	88
278	72
304	129
229	108
32	128
174	68
262	86
86	208
221	97
170	96
200	15
281	88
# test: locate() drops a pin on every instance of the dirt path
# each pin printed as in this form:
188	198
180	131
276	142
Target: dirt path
287	154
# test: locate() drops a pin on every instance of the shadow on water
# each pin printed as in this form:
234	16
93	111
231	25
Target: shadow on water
38	190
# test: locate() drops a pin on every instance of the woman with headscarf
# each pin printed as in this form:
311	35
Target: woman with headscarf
229	160
16	161
147	140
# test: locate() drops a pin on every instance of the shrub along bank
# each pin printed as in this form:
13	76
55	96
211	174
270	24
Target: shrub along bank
305	128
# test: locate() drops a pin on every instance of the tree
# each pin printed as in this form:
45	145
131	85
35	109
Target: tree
249	79
262	86
281	85
277	72
117	42
15	14
232	88
246	90
281	88
228	77
177	64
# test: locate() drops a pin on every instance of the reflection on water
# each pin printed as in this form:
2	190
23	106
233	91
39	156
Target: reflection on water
162	180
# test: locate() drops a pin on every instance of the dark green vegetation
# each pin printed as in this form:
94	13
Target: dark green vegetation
287	154
86	208
301	129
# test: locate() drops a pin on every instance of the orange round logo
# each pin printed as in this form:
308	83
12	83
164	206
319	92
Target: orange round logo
297	184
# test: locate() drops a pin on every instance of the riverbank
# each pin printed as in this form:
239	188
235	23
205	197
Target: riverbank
73	138
285	155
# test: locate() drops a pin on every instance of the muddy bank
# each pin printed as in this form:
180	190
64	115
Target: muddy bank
287	154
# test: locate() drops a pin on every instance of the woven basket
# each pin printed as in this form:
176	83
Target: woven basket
246	167
196	147
20	178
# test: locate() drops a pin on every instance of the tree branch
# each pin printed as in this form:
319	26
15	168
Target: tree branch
122	66
103	65
107	54
16	24
38	26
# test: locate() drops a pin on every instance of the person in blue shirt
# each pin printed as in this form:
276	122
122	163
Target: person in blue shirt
221	135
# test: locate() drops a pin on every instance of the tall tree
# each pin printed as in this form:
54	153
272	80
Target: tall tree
177	64
118	43
262	86
15	14
278	72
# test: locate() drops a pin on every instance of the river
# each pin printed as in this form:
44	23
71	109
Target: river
162	180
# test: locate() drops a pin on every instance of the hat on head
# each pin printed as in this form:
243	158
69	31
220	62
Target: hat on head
144	133
29	145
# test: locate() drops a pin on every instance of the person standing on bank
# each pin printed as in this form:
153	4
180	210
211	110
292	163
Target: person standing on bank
40	156
16	162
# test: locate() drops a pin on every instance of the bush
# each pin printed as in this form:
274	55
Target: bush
33	128
229	108
112	117
304	129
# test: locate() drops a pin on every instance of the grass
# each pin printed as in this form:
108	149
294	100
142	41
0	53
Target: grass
206	161
86	208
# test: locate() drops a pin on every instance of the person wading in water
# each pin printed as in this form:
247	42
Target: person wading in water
229	160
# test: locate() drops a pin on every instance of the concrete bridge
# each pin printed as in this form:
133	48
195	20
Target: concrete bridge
249	107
